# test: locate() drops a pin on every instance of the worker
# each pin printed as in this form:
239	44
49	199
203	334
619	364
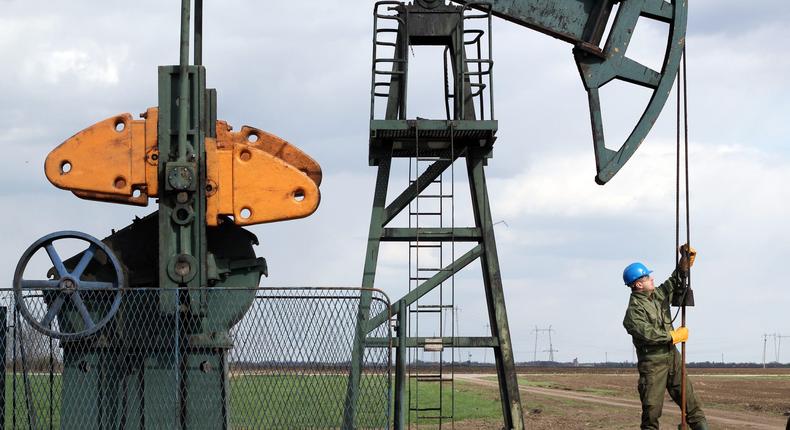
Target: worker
649	322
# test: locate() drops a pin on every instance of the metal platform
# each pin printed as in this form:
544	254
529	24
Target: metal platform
400	138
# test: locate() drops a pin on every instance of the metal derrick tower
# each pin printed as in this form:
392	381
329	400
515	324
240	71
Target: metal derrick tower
466	136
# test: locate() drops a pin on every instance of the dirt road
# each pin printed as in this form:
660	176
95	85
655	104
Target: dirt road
716	417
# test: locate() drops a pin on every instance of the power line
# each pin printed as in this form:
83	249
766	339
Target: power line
778	345
551	349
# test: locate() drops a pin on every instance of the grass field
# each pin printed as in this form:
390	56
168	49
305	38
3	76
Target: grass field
255	401
267	401
472	403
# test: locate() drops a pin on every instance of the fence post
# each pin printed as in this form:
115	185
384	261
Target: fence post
401	408
3	329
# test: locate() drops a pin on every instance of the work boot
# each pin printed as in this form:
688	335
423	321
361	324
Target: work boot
702	425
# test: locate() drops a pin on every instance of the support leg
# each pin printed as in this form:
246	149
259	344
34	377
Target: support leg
495	299
369	275
401	406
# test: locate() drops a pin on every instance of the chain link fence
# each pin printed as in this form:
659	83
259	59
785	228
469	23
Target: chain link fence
268	358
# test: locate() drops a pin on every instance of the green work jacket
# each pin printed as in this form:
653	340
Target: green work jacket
648	319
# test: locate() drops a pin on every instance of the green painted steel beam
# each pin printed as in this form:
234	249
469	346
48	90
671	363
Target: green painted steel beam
423	181
457	234
401	417
582	23
433	125
567	20
182	199
368	277
448	342
426	287
614	64
495	297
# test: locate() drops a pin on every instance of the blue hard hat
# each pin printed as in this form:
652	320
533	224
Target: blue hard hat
635	271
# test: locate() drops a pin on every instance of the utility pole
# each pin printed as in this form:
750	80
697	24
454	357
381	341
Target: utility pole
551	349
765	344
779	338
777	345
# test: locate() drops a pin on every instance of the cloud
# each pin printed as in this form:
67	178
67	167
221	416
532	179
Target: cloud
569	239
561	185
86	67
303	73
731	17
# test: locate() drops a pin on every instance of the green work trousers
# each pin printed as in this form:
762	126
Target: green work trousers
659	372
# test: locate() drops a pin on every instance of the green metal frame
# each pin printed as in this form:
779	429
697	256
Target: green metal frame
485	251
187	114
579	22
465	137
583	23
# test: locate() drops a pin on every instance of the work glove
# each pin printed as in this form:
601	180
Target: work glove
687	256
679	335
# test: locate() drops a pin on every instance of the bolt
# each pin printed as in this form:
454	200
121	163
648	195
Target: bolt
183	268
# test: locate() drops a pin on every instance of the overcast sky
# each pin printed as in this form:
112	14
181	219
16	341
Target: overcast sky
302	71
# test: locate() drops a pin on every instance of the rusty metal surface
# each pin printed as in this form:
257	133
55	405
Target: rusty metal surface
271	144
568	20
254	186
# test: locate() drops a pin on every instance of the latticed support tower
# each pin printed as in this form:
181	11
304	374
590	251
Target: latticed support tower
466	136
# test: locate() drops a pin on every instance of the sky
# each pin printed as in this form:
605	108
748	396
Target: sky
302	72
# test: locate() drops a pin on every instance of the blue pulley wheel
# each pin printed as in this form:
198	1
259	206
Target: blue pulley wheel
70	302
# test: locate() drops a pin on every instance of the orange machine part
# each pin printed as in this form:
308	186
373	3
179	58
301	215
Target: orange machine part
255	187
107	161
272	144
252	179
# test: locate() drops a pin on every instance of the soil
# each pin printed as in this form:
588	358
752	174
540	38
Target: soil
607	399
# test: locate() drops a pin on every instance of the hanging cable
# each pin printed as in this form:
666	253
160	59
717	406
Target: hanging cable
686	280
686	152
